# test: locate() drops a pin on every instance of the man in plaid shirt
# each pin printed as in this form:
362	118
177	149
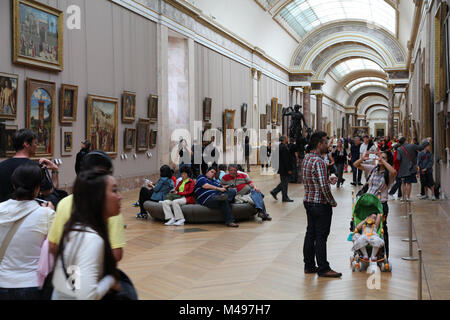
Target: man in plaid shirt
318	203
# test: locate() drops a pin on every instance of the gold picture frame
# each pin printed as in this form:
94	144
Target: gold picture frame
66	142
207	109
102	123
68	103
153	108
279	114
263	121
142	136
40	114
9	131
268	114
152	141
228	123
8	82
129	139
128	107
36	43
274	106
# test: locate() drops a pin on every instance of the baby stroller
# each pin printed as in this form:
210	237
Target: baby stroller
366	205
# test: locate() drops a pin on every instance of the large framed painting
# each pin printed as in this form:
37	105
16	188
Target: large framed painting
207	109
102	123
274	110
142	137
447	49
9	84
244	110
66	142
153	108
263	121
68	102
38	35
129	139
128	107
359	131
40	114
279	114
152	138
268	114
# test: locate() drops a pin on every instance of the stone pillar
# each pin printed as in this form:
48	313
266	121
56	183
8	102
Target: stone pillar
319	99
163	90
307	105
191	75
407	120
391	110
291	96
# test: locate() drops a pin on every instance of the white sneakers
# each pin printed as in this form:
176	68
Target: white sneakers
172	222
423	197
433	198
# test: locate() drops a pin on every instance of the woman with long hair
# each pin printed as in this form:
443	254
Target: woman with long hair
24	225
381	178
85	267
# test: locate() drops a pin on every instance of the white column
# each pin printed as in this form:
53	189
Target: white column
191	77
163	88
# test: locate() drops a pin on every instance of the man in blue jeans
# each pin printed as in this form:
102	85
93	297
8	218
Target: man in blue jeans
212	194
244	185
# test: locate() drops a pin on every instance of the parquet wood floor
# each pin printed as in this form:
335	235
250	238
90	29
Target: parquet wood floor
264	260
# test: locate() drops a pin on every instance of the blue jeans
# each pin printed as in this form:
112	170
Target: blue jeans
223	205
20	294
258	199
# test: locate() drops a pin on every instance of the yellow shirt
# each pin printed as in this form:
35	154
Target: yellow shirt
115	225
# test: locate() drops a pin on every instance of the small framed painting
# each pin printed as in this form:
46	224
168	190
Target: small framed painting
142	137
279	114
128	107
66	142
268	114
153	108
153	138
68	100
130	138
274	109
7	146
244	110
207	109
263	121
8	95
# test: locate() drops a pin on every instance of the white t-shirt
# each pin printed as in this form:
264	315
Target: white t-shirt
18	268
85	252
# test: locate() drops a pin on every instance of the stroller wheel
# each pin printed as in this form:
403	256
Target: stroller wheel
353	266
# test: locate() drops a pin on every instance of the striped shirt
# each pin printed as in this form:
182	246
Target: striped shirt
315	178
201	194
240	182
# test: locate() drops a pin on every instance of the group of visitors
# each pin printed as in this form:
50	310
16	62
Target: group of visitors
84	237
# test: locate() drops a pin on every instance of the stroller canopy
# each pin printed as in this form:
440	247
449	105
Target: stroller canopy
366	205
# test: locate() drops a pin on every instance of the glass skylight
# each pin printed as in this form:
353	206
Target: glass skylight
363	79
305	15
367	84
343	68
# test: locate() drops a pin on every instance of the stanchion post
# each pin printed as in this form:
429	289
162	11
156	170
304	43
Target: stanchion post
408	206
410	257
405	203
419	287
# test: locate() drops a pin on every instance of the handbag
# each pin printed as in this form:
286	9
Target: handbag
45	264
127	289
173	196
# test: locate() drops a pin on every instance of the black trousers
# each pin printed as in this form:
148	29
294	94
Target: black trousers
144	195
283	186
339	173
385	228
356	174
317	231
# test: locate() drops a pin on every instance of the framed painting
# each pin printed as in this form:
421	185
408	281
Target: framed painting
274	110
66	142
128	107
228	123
68	102
153	108
268	114
40	114
38	35
279	114
9	84
244	110
207	109
152	138
142	137
129	139
359	131
6	140
102	123
263	121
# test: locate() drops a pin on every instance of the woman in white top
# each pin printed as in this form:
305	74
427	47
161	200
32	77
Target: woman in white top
24	225
85	266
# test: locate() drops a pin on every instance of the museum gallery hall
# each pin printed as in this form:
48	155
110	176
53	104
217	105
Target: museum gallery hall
202	83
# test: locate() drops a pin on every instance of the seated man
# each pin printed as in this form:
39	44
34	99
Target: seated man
241	181
212	194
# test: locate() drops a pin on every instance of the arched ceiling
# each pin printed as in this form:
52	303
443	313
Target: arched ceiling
355	98
374	108
364	81
369	101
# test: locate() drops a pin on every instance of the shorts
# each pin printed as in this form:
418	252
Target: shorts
409	179
426	179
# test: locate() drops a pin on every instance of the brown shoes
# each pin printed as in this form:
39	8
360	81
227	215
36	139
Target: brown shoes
331	274
232	225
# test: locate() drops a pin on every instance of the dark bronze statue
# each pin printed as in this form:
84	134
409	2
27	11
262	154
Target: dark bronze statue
295	127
